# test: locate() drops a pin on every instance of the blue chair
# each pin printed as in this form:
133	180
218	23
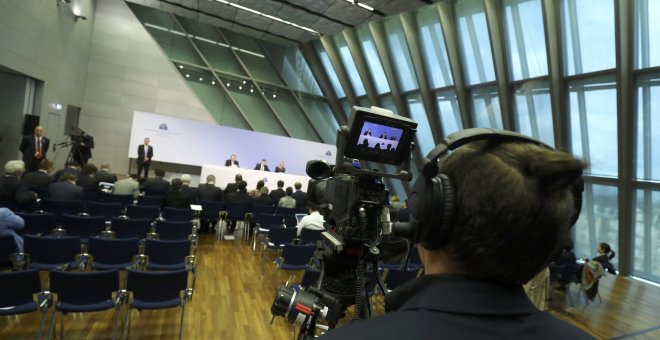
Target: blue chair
157	290
17	290
169	230
83	292
143	211
92	195
286	211
295	257
131	228
263	224
290	221
124	200
277	238
309	278
167	255
235	213
176	214
263	209
59	207
38	223
83	226
308	236
7	247
150	200
107	210
211	211
113	254
49	253
394	277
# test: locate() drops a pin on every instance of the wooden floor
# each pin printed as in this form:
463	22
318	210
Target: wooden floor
232	301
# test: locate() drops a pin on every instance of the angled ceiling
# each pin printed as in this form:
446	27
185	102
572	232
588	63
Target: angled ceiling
326	17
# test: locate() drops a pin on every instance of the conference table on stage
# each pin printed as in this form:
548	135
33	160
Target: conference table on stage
225	174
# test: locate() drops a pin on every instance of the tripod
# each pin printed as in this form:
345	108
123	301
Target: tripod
75	155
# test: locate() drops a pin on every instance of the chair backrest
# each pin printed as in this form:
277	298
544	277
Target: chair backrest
60	207
113	252
156	286
310	235
237	211
105	209
52	250
298	254
263	209
18	287
286	211
7	247
396	276
211	209
271	221
38	223
281	236
92	195
166	252
83	226
290	221
121	199
150	200
176	214
143	211
172	230
131	228
84	288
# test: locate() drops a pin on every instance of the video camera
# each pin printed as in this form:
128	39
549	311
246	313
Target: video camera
353	203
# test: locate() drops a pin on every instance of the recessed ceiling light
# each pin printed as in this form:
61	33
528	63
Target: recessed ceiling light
247	9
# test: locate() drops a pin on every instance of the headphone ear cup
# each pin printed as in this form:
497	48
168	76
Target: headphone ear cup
438	227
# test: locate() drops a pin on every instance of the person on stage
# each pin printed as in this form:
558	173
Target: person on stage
145	153
262	166
232	162
280	168
34	148
82	146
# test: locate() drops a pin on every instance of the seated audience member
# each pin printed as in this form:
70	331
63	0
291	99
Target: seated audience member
233	187
312	221
605	254
127	186
156	186
287	201
239	197
14	192
264	198
567	256
256	192
104	174
280	168
175	198
189	191
9	224
41	178
498	240
70	168
299	195
278	193
560	271
66	188
87	178
208	191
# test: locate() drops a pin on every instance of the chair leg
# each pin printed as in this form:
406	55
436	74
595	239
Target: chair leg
51	329
127	323
183	311
62	326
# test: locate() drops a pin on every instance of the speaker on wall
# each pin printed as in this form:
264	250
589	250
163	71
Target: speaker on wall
29	123
72	117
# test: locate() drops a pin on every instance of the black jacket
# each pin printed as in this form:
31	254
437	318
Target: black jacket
209	192
176	199
277	194
14	192
104	176
155	186
264	199
88	183
38	179
65	191
300	197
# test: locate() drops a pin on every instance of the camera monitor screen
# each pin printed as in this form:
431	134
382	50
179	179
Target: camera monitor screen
379	137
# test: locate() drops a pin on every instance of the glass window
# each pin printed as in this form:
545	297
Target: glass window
525	38
403	66
474	42
388	103
373	60
533	111
593	108
293	67
598	222
321	116
486	108
347	107
394	185
647	48
648	122
255	108
646	236
349	64
434	48
330	71
450	115
424	136
588	35
287	108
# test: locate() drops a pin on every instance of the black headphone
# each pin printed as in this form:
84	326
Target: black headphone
431	201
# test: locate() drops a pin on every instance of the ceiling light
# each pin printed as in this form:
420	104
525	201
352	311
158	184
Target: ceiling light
244	82
212	82
228	84
251	89
247	9
76	18
187	75
367	7
201	79
181	66
240	87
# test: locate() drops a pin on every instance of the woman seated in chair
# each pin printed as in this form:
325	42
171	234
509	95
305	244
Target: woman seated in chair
605	254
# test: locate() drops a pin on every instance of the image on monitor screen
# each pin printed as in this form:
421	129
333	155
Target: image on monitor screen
379	137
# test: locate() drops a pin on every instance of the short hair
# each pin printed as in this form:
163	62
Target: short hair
185	178
289	191
45	164
159	172
105	166
176	184
73	164
242	185
15	168
280	184
513	206
264	190
238	178
89	169
67	176
134	176
297	185
210	179
260	184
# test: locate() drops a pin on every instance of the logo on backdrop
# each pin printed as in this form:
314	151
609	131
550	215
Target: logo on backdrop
328	153
163	127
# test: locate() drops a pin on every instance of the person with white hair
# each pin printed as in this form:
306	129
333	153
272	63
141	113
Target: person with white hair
189	192
14	192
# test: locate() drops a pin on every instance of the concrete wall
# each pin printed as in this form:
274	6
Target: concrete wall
12	111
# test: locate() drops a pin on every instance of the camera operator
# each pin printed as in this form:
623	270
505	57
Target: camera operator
513	203
82	146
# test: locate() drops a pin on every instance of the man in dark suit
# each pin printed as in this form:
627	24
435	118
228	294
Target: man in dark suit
262	166
71	168
232	161
104	174
83	145
239	197
87	178
175	198
233	187
66	189
263	198
299	195
41	178
208	191
189	191
145	153
156	186
14	193
278	193
34	148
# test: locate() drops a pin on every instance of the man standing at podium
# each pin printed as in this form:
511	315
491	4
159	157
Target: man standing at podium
145	153
34	148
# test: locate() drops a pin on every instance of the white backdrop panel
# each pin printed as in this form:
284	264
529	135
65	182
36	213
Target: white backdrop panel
224	175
